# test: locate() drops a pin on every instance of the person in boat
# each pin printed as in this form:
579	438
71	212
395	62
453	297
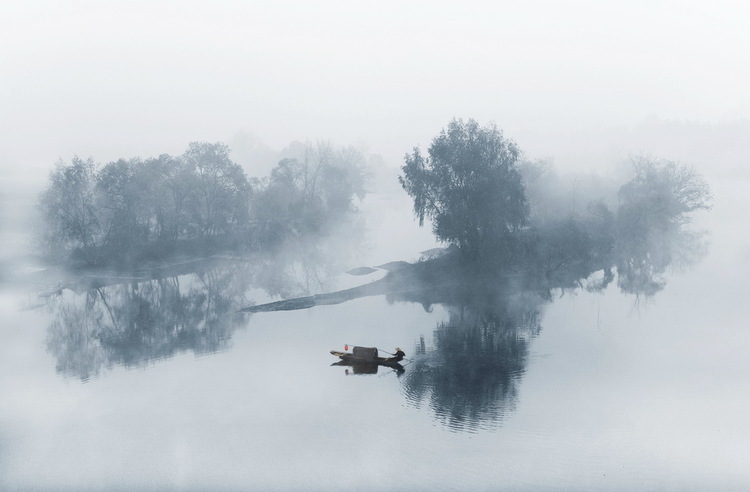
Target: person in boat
398	356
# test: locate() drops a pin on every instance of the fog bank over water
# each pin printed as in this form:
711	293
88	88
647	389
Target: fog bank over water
718	151
583	85
76	80
597	339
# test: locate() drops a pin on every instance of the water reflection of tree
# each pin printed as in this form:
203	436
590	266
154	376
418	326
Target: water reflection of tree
470	378
134	323
100	322
642	264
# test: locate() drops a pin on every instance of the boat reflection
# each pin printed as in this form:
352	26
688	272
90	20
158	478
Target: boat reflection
362	368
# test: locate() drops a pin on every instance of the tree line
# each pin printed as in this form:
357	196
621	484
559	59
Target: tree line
496	209
132	210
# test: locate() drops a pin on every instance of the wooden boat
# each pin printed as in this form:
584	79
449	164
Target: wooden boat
369	356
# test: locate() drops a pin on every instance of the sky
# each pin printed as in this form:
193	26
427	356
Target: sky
142	78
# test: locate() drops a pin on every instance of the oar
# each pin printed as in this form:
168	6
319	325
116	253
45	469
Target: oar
386	352
346	348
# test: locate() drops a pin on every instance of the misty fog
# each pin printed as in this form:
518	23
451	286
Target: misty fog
543	205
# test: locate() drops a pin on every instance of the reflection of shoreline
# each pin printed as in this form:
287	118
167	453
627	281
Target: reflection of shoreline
133	323
106	319
80	281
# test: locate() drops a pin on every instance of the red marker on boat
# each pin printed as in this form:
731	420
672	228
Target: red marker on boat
346	347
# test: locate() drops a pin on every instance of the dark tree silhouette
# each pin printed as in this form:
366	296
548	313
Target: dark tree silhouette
197	203
469	186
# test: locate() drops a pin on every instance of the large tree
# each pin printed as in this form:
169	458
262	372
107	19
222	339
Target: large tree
222	189
68	207
123	202
468	185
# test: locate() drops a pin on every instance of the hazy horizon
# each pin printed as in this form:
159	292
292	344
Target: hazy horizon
576	82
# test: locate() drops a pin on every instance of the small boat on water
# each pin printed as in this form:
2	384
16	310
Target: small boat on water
368	356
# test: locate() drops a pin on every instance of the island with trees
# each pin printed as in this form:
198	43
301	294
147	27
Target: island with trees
131	211
513	238
504	219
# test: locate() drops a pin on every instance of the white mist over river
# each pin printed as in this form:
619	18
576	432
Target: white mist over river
614	393
153	382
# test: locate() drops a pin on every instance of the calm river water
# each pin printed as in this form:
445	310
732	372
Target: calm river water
601	391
